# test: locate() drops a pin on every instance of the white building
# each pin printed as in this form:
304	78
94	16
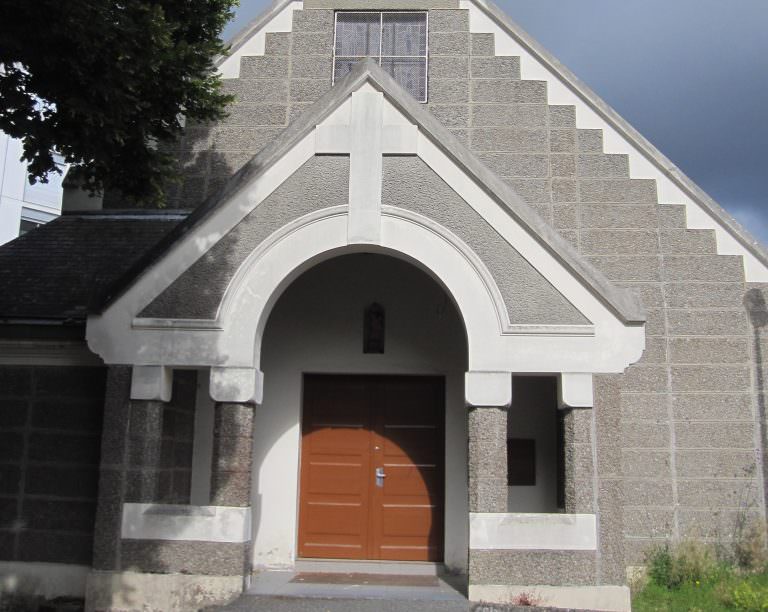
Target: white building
23	206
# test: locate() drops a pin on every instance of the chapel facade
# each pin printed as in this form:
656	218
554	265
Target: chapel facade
421	298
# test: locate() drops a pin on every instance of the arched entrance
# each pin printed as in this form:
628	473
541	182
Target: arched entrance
328	405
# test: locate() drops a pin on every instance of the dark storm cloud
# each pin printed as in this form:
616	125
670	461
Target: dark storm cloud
690	75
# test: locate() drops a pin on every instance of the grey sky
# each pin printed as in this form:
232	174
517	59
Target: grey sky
690	75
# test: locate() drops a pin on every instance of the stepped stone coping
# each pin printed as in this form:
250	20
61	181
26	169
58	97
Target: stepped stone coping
587	95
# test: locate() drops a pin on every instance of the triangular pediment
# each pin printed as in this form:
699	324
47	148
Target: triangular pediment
331	128
323	188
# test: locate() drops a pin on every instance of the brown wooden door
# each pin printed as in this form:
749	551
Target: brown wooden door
352	426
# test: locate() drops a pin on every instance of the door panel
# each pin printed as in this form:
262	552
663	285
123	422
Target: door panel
334	469
351	426
409	433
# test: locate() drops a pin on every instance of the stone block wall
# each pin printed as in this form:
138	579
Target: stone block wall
50	434
677	433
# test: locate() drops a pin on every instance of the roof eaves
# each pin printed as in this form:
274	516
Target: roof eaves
644	146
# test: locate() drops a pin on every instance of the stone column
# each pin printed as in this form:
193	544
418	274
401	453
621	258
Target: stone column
487	459
145	437
232	444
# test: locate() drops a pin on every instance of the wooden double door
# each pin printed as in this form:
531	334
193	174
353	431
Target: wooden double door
372	468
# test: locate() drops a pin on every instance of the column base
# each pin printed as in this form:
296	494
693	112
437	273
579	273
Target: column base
606	598
107	591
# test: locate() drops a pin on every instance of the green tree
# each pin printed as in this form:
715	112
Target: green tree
105	83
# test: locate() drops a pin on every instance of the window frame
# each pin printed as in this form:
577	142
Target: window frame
378	58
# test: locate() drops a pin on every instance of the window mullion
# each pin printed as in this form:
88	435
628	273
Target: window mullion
381	35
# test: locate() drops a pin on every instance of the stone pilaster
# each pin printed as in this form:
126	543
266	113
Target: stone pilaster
232	444
488	459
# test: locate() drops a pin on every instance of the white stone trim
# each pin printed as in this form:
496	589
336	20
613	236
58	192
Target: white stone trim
50	353
365	138
608	598
528	531
237	385
186	523
109	334
488	388
233	339
560	91
282	21
151	383
575	390
48	580
502	313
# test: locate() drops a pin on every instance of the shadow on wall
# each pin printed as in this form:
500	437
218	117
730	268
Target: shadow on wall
202	168
757	309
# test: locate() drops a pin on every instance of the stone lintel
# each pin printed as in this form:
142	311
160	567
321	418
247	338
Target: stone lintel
186	523
532	531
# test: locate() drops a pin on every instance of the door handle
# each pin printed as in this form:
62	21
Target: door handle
380	476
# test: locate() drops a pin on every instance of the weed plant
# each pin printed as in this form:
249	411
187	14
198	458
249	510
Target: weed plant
696	577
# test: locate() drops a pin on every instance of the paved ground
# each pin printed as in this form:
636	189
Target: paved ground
289	591
265	603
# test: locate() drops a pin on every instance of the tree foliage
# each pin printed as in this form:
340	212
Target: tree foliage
105	84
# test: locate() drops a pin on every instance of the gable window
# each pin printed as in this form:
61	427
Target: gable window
396	40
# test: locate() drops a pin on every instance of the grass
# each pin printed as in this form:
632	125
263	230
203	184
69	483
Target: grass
714	594
691	578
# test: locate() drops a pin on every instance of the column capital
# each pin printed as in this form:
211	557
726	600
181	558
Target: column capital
574	390
237	385
490	389
151	383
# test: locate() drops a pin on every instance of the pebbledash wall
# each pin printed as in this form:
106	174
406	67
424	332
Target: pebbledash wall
677	433
671	448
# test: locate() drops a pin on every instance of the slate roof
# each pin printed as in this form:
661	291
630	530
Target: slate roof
61	270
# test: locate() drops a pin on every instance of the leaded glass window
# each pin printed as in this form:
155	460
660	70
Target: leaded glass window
396	40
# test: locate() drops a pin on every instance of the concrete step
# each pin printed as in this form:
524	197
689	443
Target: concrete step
420	583
252	603
255	603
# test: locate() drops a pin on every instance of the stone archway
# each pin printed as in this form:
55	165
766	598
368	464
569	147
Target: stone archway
316	327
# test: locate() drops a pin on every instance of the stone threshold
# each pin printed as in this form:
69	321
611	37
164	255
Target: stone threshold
351	585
